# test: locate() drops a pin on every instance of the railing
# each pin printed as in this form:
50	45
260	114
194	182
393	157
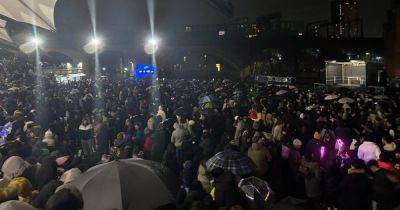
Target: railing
350	81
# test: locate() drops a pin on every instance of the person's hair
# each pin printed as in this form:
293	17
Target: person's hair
388	138
372	163
358	164
385	157
394	173
65	199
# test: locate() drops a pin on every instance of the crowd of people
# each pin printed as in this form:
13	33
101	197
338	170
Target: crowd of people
304	144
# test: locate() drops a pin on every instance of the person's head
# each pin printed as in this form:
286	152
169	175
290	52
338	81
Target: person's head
297	144
22	187
373	166
65	199
85	121
385	157
137	125
357	164
387	139
120	136
394	176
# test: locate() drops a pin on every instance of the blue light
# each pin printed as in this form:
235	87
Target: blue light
144	71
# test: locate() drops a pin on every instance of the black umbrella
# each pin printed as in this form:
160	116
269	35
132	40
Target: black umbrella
233	161
126	185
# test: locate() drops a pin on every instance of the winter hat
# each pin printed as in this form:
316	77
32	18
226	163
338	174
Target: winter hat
49	138
297	142
27	124
390	147
48	134
192	122
14	167
22	186
17	113
70	175
49	142
62	160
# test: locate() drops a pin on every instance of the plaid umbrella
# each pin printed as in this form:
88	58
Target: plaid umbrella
233	161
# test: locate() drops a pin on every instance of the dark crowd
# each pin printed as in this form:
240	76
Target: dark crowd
334	149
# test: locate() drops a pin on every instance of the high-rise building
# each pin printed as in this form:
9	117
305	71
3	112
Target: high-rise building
345	15
345	21
392	41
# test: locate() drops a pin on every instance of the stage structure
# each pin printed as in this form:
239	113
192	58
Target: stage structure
346	74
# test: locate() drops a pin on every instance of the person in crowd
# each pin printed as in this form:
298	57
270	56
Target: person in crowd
293	141
260	155
381	187
86	136
65	199
355	189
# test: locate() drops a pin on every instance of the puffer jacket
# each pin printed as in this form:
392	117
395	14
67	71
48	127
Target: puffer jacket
261	156
179	135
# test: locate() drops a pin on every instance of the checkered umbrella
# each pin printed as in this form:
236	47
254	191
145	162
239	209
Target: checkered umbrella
233	161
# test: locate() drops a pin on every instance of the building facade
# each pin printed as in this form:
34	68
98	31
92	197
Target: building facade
392	41
345	22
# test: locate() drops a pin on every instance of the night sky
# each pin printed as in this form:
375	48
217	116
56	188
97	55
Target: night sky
373	11
118	18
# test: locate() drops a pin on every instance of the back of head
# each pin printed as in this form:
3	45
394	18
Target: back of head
65	199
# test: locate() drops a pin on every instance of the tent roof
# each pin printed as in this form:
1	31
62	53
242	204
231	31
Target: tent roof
36	12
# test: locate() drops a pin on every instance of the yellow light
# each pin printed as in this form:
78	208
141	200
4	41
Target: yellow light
218	66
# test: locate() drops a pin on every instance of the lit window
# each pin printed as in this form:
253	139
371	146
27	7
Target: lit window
218	66
221	33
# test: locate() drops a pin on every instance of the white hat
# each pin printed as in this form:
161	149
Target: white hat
70	175
49	142
27	124
297	142
49	135
192	122
302	116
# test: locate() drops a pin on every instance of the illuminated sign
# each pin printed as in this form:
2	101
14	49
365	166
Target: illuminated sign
144	71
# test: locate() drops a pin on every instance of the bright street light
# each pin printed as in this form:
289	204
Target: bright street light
36	41
95	44
151	46
153	41
95	41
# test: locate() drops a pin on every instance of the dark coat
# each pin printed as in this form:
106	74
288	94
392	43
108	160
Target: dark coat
355	192
160	144
382	191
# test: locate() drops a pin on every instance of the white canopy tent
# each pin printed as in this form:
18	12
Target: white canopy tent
3	32
36	12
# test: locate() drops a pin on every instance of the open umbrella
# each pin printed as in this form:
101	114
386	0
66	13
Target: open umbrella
13	89
381	97
346	100
281	92
16	205
131	184
331	97
233	161
253	185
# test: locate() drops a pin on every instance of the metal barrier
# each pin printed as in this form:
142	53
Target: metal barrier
377	90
